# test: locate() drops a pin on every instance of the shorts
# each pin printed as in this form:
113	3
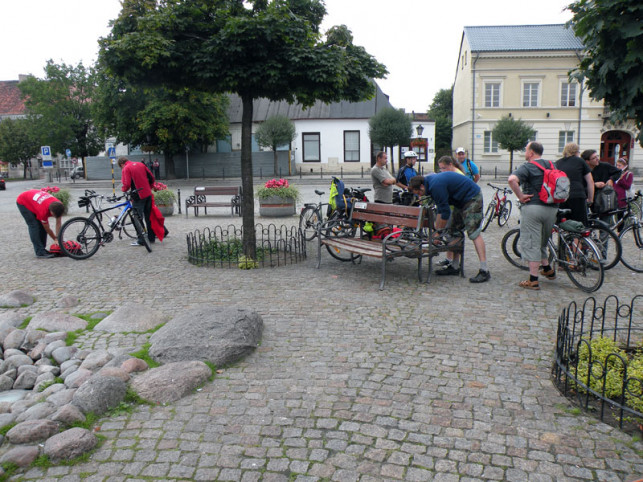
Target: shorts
468	218
536	223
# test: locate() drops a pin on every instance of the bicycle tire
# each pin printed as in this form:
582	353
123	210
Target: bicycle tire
140	230
585	268
510	251
128	227
610	252
488	215
505	213
632	244
309	220
82	231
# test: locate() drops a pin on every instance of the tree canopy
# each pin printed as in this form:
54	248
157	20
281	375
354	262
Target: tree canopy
612	67
59	107
441	110
18	144
390	127
274	132
256	48
512	135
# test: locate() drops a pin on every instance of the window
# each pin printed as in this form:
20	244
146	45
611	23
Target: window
492	94
310	142
564	137
530	94
568	94
351	146
490	146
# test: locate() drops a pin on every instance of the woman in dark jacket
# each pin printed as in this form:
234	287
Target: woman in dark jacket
581	192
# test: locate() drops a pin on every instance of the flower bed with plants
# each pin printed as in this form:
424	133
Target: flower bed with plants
63	195
162	195
278	187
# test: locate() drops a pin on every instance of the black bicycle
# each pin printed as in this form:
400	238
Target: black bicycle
91	234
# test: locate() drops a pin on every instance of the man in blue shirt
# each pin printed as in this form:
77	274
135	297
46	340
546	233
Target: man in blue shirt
468	166
451	188
407	171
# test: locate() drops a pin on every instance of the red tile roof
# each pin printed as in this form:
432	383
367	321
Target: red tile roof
10	101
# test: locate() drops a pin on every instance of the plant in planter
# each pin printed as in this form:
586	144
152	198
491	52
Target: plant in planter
277	198
164	198
63	195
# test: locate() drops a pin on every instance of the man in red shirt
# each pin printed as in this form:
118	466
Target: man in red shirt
136	175
36	207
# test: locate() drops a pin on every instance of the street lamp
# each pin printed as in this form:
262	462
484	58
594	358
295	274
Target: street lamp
419	129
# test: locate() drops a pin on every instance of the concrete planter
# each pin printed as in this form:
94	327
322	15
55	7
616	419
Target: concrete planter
166	209
276	206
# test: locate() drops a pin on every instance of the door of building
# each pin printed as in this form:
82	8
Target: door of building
615	144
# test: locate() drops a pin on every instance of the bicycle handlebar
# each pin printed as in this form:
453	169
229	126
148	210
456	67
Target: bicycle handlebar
504	189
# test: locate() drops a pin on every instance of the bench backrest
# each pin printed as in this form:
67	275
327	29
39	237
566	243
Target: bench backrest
217	190
395	214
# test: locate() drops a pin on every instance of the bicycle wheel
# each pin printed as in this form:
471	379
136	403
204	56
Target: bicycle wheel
339	227
583	265
81	231
511	250
140	230
488	215
608	244
128	227
309	219
632	244
505	213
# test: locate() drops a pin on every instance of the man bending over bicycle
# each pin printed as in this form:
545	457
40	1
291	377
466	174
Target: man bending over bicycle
137	176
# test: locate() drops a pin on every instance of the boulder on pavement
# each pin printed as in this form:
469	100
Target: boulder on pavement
215	334
68	414
131	317
170	382
11	318
69	444
53	321
16	299
22	456
32	431
99	394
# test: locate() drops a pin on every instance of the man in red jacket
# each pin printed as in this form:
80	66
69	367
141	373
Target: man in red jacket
136	175
36	207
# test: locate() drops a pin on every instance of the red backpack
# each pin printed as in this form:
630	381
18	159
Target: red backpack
555	188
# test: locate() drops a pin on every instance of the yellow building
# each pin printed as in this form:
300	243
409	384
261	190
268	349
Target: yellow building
522	71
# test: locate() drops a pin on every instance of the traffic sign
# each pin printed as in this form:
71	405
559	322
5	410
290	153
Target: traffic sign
111	152
68	152
45	151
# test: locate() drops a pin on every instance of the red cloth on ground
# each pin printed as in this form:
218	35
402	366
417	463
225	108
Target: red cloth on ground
157	221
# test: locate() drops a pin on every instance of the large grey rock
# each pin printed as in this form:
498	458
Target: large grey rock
53	345
68	414
25	381
77	378
64	366
11	318
114	372
14	339
63	353
131	317
68	301
118	360
44	379
134	365
6	419
16	299
15	361
32	338
214	334
37	351
69	444
99	394
32	431
170	382
53	321
22	455
96	359
55	336
38	411
6	383
62	397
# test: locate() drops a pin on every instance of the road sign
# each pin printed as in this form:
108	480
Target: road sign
45	151
111	152
68	152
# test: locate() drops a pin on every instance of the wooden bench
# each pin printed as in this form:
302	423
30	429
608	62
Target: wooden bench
200	199
411	242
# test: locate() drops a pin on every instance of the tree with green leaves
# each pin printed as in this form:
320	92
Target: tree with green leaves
612	34
274	132
390	127
59	107
160	119
512	135
441	111
255	48
18	144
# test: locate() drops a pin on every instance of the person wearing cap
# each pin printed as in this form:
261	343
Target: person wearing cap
407	171
469	167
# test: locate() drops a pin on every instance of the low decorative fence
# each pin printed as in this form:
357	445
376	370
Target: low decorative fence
222	247
599	359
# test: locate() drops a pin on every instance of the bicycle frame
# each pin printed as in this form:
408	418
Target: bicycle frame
118	224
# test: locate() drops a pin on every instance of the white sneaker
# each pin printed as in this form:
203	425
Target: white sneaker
135	243
444	262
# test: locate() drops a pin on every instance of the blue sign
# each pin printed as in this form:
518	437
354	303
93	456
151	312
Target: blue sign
46	153
111	152
68	152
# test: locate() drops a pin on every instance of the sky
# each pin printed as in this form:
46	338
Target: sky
417	40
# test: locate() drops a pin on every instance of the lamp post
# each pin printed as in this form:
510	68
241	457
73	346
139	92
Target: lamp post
419	129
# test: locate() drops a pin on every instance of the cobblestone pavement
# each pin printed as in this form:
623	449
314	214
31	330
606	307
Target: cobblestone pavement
449	381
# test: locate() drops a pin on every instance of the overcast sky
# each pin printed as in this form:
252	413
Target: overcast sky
417	40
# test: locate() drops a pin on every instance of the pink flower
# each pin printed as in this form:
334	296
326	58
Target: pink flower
276	184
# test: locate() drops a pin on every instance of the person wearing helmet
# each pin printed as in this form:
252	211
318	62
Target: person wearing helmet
407	171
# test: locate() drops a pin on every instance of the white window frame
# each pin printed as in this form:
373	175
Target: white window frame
310	137
491	83
354	151
565	137
530	99
490	146
568	100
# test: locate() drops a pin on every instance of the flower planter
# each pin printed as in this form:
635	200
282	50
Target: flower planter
166	209
276	206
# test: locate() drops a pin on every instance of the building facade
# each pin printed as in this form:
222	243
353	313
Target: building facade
523	72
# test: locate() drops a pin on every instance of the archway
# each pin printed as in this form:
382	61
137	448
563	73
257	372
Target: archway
615	144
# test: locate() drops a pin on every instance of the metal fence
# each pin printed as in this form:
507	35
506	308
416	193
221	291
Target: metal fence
599	358
221	247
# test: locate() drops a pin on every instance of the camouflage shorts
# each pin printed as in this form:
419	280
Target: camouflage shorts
468	218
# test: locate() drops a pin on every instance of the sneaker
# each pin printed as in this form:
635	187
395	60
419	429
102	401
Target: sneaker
444	262
449	270
551	274
46	255
481	277
135	243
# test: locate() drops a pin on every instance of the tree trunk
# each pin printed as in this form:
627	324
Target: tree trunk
276	157
170	172
248	202
511	162
392	163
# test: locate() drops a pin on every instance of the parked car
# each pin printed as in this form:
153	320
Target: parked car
77	172
3	186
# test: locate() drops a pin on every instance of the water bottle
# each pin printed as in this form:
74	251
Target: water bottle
112	221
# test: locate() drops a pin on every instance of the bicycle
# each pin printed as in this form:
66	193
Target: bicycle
499	207
571	249
311	215
90	232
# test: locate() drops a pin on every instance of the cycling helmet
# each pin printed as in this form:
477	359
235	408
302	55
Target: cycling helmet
410	154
